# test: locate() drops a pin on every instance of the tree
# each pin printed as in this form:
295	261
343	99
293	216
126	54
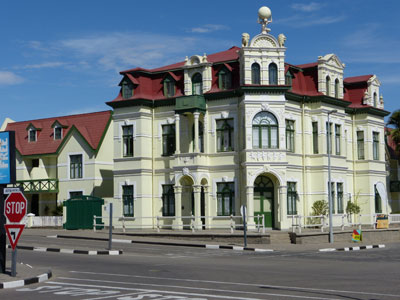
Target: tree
394	123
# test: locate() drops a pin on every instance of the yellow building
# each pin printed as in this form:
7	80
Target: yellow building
61	157
243	127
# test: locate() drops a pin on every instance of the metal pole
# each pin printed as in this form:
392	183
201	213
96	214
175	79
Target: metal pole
14	263
329	179
2	231
110	227
244	226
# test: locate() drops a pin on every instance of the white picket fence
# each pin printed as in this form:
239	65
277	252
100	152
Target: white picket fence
44	221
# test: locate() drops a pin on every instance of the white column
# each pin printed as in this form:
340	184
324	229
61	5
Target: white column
207	206
205	132
250	206
177	137
197	206
196	132
282	206
178	207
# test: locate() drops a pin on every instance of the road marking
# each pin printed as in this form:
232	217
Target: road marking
181	293
238	283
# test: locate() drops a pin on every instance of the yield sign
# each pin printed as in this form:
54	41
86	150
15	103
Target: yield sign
14	232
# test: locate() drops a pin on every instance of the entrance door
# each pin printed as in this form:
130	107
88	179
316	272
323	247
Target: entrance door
264	200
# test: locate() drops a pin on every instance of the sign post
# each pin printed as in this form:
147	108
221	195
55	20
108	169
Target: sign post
243	211
7	175
15	210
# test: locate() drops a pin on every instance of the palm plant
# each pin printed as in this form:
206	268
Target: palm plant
394	123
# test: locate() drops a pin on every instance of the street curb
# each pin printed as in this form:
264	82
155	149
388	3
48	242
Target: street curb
23	282
225	247
70	251
352	248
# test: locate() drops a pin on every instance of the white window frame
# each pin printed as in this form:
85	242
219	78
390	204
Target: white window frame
69	165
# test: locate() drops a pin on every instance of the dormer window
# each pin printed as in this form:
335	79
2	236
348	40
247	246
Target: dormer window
32	135
57	133
328	85
197	84
224	79
273	74
127	89
255	73
169	87
288	79
337	87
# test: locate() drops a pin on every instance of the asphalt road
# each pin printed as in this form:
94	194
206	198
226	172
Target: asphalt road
167	272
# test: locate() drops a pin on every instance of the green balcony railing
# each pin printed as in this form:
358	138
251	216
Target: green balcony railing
38	186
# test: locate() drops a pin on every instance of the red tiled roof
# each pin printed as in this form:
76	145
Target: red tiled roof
363	78
91	126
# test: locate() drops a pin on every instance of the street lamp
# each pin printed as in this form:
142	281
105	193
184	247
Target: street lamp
329	178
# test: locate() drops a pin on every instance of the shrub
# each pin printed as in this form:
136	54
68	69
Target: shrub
352	208
320	207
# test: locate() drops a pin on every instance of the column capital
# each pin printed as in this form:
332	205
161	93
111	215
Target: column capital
177	189
196	114
197	188
177	116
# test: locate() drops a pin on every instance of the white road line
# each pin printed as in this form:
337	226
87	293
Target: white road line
113	296
238	283
183	293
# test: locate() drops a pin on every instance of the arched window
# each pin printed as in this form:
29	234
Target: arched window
328	86
255	73
337	87
224	79
265	131
273	74
375	100
127	89
197	84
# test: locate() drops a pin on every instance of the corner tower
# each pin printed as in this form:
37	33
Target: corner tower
262	60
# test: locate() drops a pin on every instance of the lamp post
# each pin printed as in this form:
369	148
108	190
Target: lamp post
329	178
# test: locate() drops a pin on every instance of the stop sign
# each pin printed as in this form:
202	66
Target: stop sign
15	207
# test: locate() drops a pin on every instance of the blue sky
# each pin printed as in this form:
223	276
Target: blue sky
64	57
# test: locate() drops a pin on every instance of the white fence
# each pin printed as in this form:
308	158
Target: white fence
188	222
44	221
342	221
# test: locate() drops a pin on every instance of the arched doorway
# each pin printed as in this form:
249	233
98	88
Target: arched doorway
264	200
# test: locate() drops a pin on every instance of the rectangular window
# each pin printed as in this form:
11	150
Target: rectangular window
339	197
360	144
378	202
32	135
168	200
127	136
75	195
337	139
127	199
75	166
225	135
290	135
375	145
168	138
332	195
225	198
291	198
57	133
35	163
315	137
329	138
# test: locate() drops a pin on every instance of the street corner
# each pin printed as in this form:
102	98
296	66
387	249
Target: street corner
25	276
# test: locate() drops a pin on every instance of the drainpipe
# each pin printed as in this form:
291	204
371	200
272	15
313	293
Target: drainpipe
354	133
152	167
303	157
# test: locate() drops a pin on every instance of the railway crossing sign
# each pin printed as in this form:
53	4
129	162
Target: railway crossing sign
14	233
15	207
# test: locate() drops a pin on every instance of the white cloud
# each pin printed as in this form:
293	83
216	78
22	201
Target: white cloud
124	50
43	65
208	28
313	6
9	78
300	21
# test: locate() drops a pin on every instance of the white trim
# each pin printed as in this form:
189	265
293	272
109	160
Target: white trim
121	132
126	182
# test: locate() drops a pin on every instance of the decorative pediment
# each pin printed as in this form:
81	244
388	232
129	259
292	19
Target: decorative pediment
264	41
374	80
332	60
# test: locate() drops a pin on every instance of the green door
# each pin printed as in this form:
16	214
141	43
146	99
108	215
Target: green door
264	200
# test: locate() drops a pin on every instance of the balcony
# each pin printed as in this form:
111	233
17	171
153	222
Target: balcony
190	104
38	186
